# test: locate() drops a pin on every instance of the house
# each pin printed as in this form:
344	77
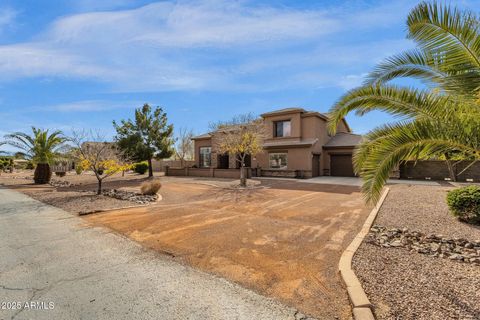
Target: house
297	145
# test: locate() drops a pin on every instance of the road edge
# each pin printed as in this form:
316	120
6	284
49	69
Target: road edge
362	307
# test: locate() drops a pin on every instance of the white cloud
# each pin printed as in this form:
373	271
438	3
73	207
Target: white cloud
33	59
94	5
183	25
213	45
351	81
87	106
7	17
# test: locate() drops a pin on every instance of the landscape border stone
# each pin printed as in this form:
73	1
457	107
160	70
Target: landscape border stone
362	307
84	213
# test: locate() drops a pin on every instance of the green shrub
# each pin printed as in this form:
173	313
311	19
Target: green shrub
30	165
140	167
464	203
6	163
78	169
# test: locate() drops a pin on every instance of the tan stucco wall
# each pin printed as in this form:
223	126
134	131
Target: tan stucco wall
298	158
296	126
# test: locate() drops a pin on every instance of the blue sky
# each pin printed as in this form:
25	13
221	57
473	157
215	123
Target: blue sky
82	63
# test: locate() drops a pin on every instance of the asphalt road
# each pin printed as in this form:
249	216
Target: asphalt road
64	269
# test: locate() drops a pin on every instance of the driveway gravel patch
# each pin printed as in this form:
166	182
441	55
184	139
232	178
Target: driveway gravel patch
405	284
424	209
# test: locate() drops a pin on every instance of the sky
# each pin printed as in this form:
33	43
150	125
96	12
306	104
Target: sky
82	63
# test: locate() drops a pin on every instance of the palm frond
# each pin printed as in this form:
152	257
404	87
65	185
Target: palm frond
446	31
415	63
41	146
385	147
398	101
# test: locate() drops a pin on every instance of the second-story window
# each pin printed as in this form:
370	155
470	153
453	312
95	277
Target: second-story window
282	128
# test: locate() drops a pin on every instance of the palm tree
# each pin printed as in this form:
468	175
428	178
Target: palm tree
41	147
441	120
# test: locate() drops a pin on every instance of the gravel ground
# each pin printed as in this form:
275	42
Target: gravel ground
78	198
77	202
404	285
424	209
409	285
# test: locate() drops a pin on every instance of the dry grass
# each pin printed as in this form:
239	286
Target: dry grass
150	187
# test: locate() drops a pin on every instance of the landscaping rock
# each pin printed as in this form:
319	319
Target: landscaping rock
435	245
61	183
130	196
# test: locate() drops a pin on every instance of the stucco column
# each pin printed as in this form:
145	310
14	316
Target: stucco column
232	161
214	160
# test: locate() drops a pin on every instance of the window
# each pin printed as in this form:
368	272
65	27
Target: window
282	128
278	160
205	157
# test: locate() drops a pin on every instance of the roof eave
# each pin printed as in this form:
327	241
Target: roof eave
340	147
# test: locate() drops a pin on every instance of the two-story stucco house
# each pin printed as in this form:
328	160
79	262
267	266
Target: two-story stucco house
297	145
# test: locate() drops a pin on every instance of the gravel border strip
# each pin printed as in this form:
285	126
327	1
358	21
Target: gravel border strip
84	213
362	307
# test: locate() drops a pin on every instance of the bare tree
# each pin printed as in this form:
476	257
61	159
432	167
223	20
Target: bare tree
184	147
241	137
98	155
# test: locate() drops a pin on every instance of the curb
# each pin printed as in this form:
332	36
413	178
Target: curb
362	307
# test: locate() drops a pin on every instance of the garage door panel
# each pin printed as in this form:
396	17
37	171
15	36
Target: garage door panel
341	165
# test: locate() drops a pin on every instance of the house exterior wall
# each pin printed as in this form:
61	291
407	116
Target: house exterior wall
296	126
305	126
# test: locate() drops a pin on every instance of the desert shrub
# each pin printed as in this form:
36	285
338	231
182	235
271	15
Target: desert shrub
30	165
150	187
7	163
78	169
140	167
464	203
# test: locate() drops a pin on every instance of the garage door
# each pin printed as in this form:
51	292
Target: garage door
341	165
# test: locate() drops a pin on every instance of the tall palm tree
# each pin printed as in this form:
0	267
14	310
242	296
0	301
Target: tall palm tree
41	147
441	120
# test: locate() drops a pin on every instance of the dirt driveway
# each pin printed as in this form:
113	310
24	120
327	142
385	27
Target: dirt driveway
283	240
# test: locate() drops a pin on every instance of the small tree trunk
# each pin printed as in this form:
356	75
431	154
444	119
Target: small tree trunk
99	190
243	180
42	173
150	169
451	170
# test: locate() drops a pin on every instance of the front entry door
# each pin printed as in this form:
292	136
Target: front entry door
223	161
315	165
